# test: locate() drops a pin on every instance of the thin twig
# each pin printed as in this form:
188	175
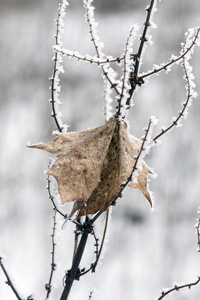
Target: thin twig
173	61
185	105
96	46
134	80
52	198
56	71
88	58
9	282
178	287
124	79
102	242
198	232
48	286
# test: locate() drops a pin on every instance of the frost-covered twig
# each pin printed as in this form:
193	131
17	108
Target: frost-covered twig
57	69
127	70
94	265
190	95
198	231
107	70
9	282
177	288
89	58
48	286
52	198
134	80
174	59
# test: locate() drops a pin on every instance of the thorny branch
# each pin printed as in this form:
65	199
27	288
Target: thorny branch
134	80
177	288
52	198
48	285
56	71
174	60
185	105
88	58
96	45
125	71
9	282
198	231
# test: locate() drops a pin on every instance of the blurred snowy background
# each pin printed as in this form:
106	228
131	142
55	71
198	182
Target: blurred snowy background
146	250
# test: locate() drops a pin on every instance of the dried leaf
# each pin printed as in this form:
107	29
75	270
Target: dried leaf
91	166
80	158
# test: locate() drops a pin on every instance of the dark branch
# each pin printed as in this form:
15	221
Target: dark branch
173	61
134	80
48	285
52	198
178	287
9	282
185	105
198	232
55	71
74	271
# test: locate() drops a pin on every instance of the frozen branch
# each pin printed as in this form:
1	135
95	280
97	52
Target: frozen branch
57	69
107	70
174	59
198	231
190	95
127	69
48	286
89	58
52	198
134	80
177	288
9	282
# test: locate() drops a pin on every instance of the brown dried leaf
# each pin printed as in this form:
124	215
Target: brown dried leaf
80	158
91	166
141	183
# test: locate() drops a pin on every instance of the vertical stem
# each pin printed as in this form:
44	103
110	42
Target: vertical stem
139	53
73	272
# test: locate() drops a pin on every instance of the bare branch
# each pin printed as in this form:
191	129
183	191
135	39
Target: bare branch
134	80
91	23
57	69
125	79
186	104
89	58
9	282
52	198
164	67
198	231
48	286
177	288
102	242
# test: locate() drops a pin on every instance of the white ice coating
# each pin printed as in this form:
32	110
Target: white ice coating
127	69
58	68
